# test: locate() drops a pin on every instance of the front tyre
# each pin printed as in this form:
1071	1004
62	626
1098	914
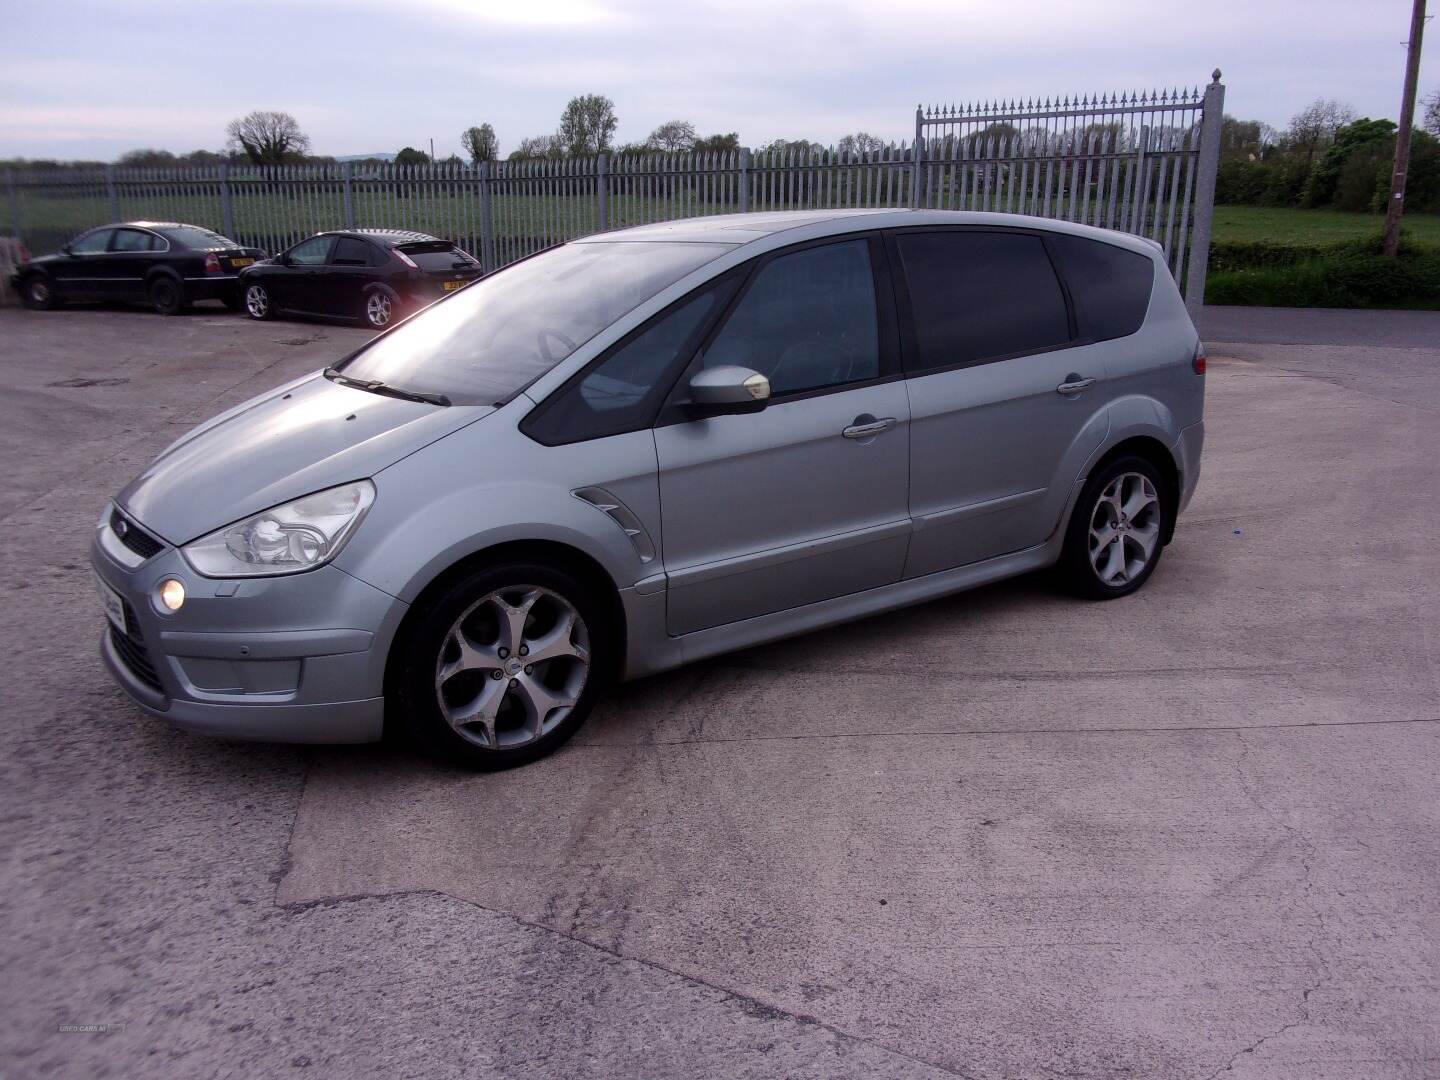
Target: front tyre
1116	534
258	304
37	293
503	666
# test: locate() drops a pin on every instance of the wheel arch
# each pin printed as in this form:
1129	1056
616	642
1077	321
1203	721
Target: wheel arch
582	565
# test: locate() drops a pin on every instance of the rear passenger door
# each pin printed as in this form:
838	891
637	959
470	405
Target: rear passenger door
1006	403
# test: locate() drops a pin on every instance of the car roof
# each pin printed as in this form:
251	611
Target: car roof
754	228
391	237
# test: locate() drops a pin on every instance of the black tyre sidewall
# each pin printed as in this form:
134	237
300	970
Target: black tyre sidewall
1075	570
29	301
161	288
412	692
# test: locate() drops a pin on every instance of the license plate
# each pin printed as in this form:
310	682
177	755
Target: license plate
237	263
111	602
451	286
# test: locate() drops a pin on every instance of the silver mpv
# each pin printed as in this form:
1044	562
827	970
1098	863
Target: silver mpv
647	447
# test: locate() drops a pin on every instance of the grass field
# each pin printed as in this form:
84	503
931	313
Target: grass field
1313	228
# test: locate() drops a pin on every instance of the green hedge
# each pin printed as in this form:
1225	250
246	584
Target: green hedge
1351	275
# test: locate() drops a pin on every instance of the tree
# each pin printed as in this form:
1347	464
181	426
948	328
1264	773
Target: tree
480	143
793	146
538	146
1248	140
1313	128
147	158
588	124
1431	123
714	143
410	156
1353	165
862	142
672	135
268	138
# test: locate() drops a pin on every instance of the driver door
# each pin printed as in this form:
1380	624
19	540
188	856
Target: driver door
808	498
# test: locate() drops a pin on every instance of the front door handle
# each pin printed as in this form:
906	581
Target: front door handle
1073	384
867	427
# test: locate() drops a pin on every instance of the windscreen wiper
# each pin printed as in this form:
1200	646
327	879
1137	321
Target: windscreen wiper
375	386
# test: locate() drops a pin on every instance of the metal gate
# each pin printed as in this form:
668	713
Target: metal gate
1141	163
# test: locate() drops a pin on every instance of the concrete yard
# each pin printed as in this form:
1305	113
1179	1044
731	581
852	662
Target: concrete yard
1007	835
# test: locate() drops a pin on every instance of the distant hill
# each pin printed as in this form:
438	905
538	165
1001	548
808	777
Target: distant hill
364	157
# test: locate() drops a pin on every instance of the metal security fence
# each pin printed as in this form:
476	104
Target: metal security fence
1142	163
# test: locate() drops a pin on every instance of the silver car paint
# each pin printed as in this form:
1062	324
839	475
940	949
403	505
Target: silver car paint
749	545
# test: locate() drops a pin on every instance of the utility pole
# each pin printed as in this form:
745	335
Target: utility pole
1396	206
432	140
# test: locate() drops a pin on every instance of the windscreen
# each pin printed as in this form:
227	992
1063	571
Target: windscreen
500	334
437	255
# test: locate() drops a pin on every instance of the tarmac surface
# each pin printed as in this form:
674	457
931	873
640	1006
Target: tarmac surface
1190	834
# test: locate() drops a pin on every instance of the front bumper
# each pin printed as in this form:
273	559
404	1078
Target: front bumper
296	658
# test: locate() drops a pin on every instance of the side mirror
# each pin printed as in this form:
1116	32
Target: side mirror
728	389
65	250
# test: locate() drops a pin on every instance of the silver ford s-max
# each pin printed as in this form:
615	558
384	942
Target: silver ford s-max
647	447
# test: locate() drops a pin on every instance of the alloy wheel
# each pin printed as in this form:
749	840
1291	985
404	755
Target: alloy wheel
257	302
377	309
1124	529
39	292
512	667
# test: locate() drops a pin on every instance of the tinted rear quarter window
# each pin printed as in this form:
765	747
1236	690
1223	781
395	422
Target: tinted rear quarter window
351	252
980	295
1109	285
192	236
437	255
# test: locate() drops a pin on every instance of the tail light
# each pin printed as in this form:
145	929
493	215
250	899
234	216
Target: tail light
406	259
212	263
1198	363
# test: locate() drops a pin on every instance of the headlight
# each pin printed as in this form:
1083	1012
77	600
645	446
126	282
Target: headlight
285	539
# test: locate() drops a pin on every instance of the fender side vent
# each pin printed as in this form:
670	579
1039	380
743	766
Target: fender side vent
622	515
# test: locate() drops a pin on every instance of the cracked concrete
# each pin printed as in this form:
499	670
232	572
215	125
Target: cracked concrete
1191	835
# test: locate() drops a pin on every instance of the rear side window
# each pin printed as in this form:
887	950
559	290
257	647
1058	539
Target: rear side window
351	252
437	255
134	240
981	295
1110	286
192	236
624	391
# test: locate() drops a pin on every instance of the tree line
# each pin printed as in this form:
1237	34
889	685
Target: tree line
1327	157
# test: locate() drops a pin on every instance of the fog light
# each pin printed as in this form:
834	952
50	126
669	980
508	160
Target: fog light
172	594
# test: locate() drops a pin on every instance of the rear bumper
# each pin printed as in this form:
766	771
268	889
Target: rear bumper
212	287
299	658
1187	451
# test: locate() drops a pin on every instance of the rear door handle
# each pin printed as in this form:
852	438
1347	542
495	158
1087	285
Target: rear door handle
867	427
1073	384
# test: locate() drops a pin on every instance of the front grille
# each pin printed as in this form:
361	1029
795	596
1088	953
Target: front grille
130	646
134	537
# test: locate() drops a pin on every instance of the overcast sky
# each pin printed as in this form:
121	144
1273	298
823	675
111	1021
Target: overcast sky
92	80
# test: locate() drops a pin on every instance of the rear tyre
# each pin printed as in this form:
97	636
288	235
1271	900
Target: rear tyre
1116	533
503	666
258	303
380	309
166	296
37	293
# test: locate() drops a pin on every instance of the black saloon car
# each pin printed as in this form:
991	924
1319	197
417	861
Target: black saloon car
164	263
374	275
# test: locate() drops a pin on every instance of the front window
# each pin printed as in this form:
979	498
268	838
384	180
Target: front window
503	332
